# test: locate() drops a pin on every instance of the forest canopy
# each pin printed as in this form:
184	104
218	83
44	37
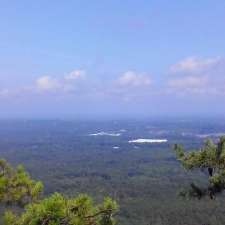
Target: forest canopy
17	189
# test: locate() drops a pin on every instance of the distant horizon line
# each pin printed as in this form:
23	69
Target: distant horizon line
114	117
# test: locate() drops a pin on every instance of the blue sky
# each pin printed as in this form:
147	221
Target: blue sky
146	58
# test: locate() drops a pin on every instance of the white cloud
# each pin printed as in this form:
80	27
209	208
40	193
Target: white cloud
65	83
47	83
198	75
70	83
133	79
76	74
195	64
188	82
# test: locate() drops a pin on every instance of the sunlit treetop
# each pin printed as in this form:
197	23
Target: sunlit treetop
59	210
16	186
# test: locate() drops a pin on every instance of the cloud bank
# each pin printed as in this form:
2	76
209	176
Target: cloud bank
198	75
134	79
192	75
190	81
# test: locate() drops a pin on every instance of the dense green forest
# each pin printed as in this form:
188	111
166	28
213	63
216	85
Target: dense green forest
145	180
18	190
23	205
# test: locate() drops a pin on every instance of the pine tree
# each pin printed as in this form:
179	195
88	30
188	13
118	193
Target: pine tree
210	158
18	189
60	210
16	186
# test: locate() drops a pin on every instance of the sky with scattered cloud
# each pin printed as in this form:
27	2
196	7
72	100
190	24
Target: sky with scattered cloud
112	58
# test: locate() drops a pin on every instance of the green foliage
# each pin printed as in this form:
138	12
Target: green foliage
16	186
143	179
59	210
210	157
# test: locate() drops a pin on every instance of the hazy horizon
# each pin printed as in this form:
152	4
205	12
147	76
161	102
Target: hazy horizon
112	59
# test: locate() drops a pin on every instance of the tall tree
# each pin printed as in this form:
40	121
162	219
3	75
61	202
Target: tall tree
210	158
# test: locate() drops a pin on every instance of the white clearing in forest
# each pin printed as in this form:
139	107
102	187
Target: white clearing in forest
106	134
148	141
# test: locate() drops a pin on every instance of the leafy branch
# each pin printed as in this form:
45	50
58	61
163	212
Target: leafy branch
210	158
